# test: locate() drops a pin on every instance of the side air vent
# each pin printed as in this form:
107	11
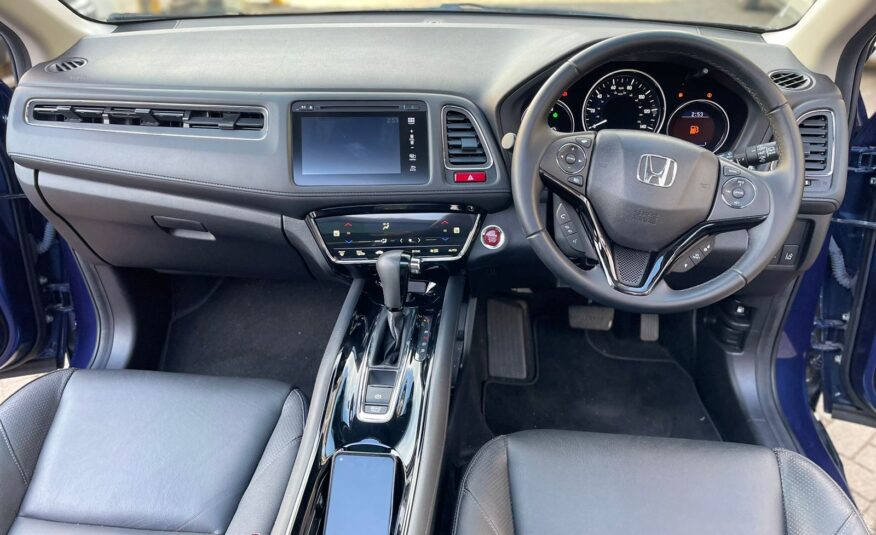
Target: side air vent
792	80
464	146
816	131
167	117
64	65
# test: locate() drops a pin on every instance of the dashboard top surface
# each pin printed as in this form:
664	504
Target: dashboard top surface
480	56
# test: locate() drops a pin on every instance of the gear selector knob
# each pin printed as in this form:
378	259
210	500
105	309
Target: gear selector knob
394	268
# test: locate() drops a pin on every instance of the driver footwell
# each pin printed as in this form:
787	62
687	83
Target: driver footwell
590	381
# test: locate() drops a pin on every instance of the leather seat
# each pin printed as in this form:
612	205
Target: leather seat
561	482
135	452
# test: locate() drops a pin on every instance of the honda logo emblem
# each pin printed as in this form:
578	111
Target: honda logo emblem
656	170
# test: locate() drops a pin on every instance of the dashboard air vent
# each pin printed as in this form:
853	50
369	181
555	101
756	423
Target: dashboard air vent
791	80
815	129
64	65
182	117
464	145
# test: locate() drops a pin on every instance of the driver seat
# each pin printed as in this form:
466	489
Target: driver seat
560	482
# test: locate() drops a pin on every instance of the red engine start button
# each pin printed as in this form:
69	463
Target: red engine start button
492	237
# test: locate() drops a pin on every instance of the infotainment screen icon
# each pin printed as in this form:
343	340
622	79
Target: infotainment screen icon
359	143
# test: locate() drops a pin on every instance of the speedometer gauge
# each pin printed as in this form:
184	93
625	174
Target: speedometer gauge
624	99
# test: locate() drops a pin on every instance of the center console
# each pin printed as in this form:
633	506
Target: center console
378	452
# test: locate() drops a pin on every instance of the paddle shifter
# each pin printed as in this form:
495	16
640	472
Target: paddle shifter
394	268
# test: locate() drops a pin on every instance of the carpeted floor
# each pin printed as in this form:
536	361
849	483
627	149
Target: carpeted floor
252	328
583	383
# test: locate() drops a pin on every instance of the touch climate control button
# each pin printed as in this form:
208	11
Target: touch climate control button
738	192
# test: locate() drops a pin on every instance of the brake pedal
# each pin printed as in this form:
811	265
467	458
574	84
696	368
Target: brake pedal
649	328
591	318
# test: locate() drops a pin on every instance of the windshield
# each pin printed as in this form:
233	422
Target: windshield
754	14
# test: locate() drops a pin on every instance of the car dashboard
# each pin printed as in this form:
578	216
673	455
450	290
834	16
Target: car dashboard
239	170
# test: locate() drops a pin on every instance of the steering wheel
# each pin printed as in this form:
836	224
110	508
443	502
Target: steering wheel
645	200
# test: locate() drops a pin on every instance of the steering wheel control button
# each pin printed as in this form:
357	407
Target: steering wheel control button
576	180
569	228
683	265
585	142
738	192
492	237
577	243
571	158
562	214
462	177
707	246
378	395
729	170
696	256
789	255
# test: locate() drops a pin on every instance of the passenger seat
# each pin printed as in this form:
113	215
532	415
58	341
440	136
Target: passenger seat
134	452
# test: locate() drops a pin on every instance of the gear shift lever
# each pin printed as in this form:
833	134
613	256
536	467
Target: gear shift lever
394	269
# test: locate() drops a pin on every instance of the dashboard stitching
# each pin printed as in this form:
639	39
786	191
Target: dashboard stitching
255	190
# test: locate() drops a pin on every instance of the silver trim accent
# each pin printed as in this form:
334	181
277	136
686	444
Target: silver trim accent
242	135
664	178
809	80
720	145
614	73
831	140
311	223
478	130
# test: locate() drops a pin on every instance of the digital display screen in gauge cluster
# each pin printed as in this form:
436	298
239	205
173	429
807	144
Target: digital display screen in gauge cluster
701	122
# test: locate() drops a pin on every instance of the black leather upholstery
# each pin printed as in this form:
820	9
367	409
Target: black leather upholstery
133	452
557	482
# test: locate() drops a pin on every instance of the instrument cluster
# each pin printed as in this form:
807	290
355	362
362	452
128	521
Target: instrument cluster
686	102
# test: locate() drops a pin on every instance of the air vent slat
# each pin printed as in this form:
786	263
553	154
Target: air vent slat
114	114
791	80
464	144
816	135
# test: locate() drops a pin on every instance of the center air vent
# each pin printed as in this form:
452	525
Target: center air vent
464	146
147	116
791	80
64	65
816	132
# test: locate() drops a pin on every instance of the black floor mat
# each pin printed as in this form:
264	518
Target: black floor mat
252	328
579	387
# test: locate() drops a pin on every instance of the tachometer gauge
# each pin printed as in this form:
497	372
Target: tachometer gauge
561	118
624	99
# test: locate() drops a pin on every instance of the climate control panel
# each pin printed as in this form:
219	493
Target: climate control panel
358	238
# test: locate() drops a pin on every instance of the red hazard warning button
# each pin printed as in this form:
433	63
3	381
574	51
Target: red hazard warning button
470	176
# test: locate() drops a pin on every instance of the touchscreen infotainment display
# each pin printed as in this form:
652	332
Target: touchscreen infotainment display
367	145
341	145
